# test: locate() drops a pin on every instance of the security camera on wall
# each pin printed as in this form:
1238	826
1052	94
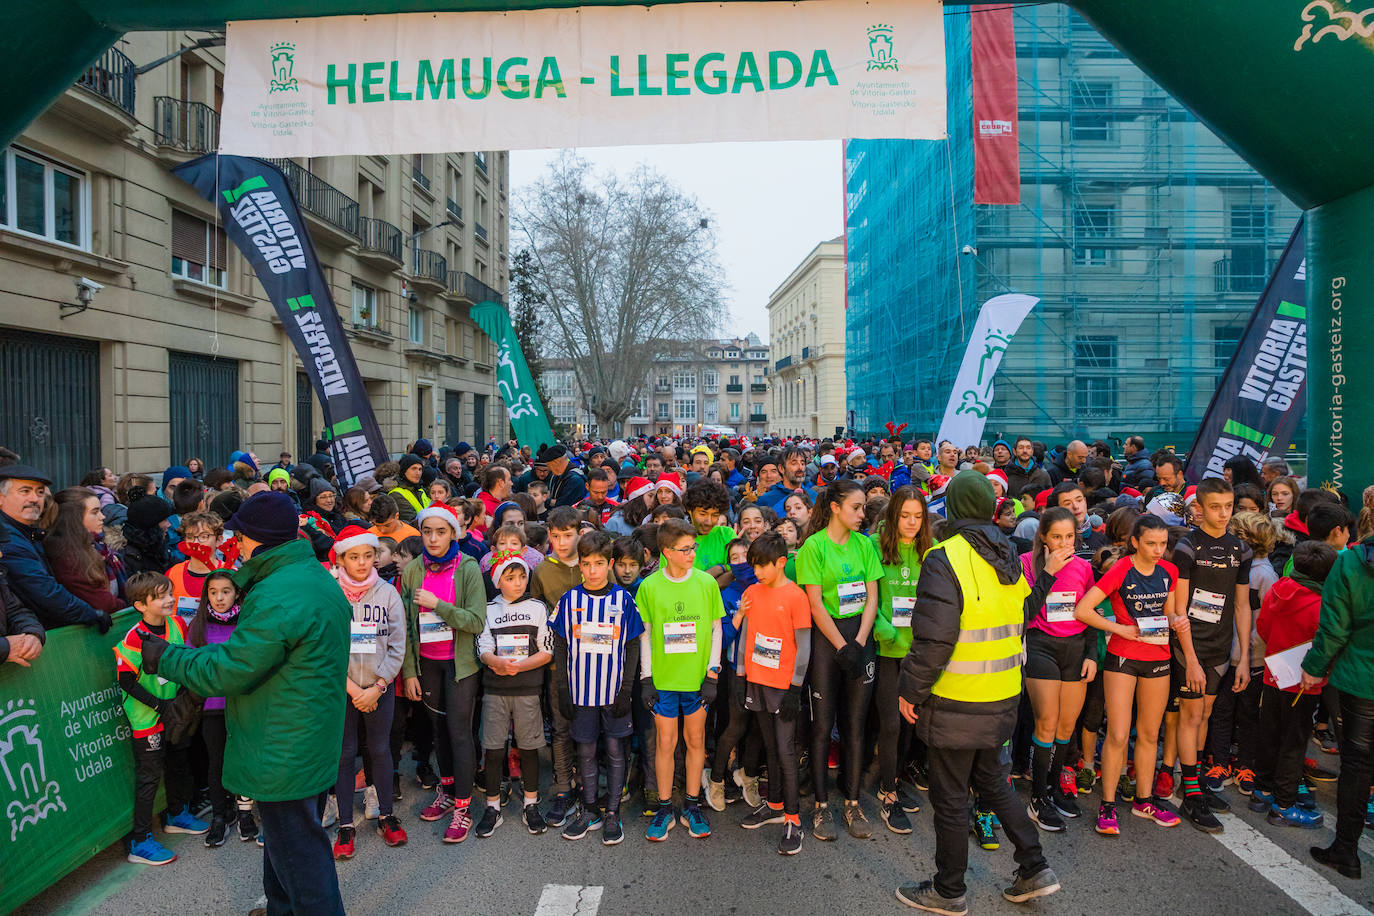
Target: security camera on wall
86	289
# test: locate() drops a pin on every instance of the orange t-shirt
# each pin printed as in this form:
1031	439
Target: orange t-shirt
399	535
187	587
771	617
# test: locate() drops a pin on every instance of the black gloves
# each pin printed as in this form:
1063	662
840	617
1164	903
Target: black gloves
647	694
790	704
710	687
739	691
850	659
103	622
153	647
621	706
565	704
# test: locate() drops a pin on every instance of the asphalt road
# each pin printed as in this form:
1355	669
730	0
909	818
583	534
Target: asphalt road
1253	868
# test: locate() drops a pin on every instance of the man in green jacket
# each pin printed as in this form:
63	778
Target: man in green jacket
1344	648
282	675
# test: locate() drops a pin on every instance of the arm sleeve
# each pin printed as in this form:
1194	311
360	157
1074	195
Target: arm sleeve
1039	594
646	656
35	587
390	665
935	629
410	661
253	651
560	666
717	631
543	635
128	682
485	641
803	656
627	682
19	619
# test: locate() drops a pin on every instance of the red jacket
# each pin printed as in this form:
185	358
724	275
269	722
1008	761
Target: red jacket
1287	618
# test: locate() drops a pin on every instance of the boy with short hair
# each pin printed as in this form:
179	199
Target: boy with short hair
146	698
201	533
548	582
515	645
596	631
539	492
1214	582
706	503
627	557
679	666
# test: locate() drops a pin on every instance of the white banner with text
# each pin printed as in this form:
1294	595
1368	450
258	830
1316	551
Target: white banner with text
585	76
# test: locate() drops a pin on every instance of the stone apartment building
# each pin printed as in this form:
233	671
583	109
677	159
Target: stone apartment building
170	349
806	327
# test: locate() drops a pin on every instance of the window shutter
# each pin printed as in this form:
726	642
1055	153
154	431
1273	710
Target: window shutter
188	237
219	251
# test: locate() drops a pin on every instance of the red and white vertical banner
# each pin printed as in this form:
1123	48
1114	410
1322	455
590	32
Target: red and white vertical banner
996	159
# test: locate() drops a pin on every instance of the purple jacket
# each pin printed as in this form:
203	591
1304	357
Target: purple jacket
216	632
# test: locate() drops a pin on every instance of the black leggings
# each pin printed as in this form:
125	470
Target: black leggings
377	726
494	770
832	692
894	732
450	705
615	772
741	728
780	742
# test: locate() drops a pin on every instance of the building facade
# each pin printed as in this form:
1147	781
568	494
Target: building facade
712	384
806	336
180	354
1145	237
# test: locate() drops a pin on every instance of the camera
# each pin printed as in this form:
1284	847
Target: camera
87	288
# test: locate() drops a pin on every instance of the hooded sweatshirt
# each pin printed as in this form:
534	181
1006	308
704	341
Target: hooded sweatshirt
381	606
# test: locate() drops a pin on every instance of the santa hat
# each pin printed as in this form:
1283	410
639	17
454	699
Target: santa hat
441	512
507	558
637	487
1002	476
352	536
1042	499
937	484
1130	491
1190	496
669	481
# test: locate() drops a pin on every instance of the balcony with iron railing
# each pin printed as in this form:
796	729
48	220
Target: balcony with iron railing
187	127
758	418
332	210
734	388
758	386
464	287
782	364
480	159
106	103
454	210
429	270
1231	276
379	243
480	231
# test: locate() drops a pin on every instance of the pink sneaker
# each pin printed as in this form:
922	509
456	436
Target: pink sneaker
1106	820
436	809
1156	810
459	827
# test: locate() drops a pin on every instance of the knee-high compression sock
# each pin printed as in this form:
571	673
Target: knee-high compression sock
1040	767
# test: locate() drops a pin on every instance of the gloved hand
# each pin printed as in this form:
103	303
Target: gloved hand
791	704
153	647
104	622
647	694
565	704
850	659
621	706
710	687
162	707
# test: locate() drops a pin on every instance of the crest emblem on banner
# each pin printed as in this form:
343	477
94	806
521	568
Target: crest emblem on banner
880	56
33	795
283	63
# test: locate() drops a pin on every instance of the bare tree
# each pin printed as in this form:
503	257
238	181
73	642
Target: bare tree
628	269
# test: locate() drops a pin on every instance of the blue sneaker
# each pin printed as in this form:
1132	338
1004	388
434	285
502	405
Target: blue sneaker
664	820
1305	799
183	822
695	822
1369	813
1261	800
149	851
1295	816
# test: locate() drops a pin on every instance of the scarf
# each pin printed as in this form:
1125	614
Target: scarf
446	558
229	617
114	566
354	591
388	572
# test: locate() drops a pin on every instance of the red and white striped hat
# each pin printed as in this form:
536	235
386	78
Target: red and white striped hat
353	535
669	480
637	487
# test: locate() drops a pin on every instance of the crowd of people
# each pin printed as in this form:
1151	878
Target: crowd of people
705	621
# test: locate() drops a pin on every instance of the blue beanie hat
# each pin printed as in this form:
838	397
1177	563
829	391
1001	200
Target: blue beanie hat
174	472
423	448
270	518
461	449
1003	442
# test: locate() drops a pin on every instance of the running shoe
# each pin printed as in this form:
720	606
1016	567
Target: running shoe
1216	801
1217	778
558	812
1067	784
894	817
906	797
534	821
822	824
390	829
1085	778
791	841
442	804
425	775
1157	810
665	819
1295	816
184	822
733	792
1305	798
372	808
1106	819
491	819
925	897
343	843
650	803
1261	800
918	775
331	813
762	816
1325	740
1125	788
1028	887
1311	770
1197	812
149	851
1042	811
587	819
612	831
1327	855
749	785
715	794
1245	780
1164	783
695	821
248	827
856	822
1065	802
983	830
459	825
218	833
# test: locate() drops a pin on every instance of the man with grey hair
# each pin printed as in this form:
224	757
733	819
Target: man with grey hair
1272	469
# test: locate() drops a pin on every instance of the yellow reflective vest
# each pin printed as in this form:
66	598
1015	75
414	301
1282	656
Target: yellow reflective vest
986	664
409	496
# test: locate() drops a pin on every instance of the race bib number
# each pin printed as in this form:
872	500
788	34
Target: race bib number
1059	607
362	635
598	638
186	608
902	609
1206	606
512	645
767	650
1154	629
853	596
433	629
680	637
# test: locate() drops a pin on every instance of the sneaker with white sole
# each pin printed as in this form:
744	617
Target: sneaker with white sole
149	851
762	816
184	822
925	897
372	809
856	822
587	819
459	825
791	842
442	804
331	813
1029	887
750	785
491	819
715	794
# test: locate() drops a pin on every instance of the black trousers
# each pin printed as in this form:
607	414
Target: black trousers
1357	769
894	732
1281	744
951	773
834	694
780	744
298	874
451	705
155	759
1236	716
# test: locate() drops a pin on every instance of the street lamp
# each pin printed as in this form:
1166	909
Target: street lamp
414	236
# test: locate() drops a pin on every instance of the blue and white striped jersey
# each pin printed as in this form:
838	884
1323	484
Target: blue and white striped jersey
596	628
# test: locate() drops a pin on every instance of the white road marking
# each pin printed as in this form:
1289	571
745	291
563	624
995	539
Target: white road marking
570	900
1307	887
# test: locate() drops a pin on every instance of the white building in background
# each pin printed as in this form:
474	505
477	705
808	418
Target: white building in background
806	330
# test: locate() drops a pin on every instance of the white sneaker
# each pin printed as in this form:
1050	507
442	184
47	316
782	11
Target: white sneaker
372	809
715	794
750	785
331	813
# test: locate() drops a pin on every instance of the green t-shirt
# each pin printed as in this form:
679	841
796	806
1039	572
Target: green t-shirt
711	547
144	720
679	617
837	569
896	599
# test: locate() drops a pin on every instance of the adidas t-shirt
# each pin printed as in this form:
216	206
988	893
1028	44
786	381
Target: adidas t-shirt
679	617
596	627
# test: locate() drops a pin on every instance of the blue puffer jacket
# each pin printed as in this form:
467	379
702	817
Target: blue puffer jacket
32	581
1138	473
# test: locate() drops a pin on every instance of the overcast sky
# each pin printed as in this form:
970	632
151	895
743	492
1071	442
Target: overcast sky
771	204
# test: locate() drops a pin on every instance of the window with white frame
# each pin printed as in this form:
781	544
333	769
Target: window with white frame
710	380
684	408
662	410
199	250
365	311
684	380
41	197
734	410
417	325
710	410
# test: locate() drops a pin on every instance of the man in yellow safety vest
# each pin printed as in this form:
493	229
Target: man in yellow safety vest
961	686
